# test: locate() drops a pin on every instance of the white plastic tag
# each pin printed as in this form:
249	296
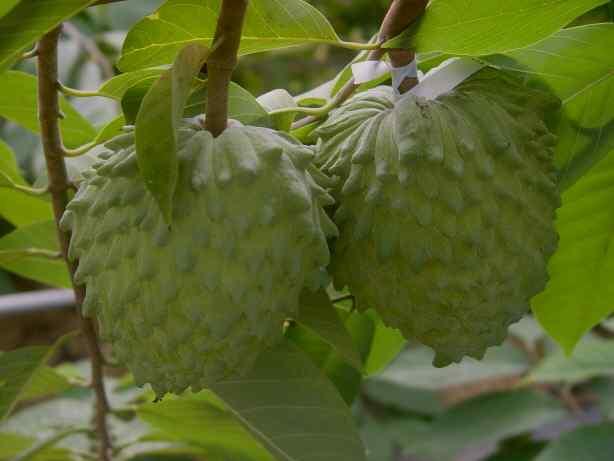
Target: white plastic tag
445	77
401	73
365	71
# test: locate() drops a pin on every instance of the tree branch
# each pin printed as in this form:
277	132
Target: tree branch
48	114
222	62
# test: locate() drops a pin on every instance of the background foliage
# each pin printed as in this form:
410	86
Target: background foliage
526	400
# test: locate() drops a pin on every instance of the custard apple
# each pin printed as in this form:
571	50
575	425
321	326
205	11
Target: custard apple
197	302
446	208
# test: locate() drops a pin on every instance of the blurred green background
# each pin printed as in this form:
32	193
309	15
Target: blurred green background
524	402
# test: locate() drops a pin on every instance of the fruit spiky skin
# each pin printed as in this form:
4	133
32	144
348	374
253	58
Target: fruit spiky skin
446	208
196	303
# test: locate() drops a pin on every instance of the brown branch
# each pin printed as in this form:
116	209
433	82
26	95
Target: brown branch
222	62
48	114
400	15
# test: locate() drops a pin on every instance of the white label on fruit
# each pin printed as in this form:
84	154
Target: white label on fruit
399	74
366	71
445	77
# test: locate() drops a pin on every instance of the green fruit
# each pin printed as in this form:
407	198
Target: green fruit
446	208
197	302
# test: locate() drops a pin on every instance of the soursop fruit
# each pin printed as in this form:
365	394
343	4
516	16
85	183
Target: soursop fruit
446	208
195	303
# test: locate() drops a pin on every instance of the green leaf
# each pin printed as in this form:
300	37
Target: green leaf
484	420
576	63
19	104
133	98
386	345
269	25
45	382
594	443
157	123
28	21
110	129
580	292
345	377
192	417
242	105
39	235
592	358
12	445
17	369
292	409
16	207
117	86
487	27
319	315
7	6
275	100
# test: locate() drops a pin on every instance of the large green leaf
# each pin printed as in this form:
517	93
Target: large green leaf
202	420
580	292
345	377
28	21
292	408
7	5
485	27
17	369
133	98
576	63
158	121
18	103
117	86
269	24
46	382
319	315
41	235
12	445
594	443
16	207
592	358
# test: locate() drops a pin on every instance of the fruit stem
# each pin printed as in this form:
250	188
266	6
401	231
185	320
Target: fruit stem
221	63
49	114
400	15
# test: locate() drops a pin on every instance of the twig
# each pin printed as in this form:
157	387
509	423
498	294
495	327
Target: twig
7	182
222	62
30	54
48	110
91	48
400	15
